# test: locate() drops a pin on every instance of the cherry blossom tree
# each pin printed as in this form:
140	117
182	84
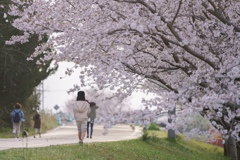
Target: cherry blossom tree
187	49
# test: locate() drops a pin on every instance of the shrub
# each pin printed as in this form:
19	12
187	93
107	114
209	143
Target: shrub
154	127
145	135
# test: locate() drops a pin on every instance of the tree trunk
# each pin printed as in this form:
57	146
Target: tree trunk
171	132
238	150
231	149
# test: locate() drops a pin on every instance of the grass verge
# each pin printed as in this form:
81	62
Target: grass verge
156	147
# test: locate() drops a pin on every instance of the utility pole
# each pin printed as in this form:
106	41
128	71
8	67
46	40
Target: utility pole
42	84
40	90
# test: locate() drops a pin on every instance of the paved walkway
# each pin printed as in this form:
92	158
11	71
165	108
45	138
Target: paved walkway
68	135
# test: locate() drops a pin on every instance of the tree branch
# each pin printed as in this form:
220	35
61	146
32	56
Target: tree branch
219	16
175	17
153	77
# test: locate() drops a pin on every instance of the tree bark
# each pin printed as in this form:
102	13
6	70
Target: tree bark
231	149
171	132
238	150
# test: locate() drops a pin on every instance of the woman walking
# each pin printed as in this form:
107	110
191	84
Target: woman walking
81	111
17	117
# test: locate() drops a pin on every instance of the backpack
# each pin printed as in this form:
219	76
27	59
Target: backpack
16	117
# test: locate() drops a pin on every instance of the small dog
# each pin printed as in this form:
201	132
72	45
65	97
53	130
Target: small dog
133	127
25	133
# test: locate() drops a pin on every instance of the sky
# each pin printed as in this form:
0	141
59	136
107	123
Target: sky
55	89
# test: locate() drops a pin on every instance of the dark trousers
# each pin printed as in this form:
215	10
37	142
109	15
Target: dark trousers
91	127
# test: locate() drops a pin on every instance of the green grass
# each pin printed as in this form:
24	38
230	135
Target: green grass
153	126
156	147
5	132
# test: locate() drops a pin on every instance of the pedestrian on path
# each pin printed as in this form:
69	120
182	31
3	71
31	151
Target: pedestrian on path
91	118
81	111
17	117
37	125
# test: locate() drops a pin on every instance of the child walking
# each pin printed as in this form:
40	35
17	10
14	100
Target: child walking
91	118
37	125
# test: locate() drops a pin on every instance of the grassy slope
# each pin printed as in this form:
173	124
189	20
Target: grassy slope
155	148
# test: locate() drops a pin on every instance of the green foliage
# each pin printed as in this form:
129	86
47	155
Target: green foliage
18	77
157	147
48	121
145	135
153	126
199	122
31	106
